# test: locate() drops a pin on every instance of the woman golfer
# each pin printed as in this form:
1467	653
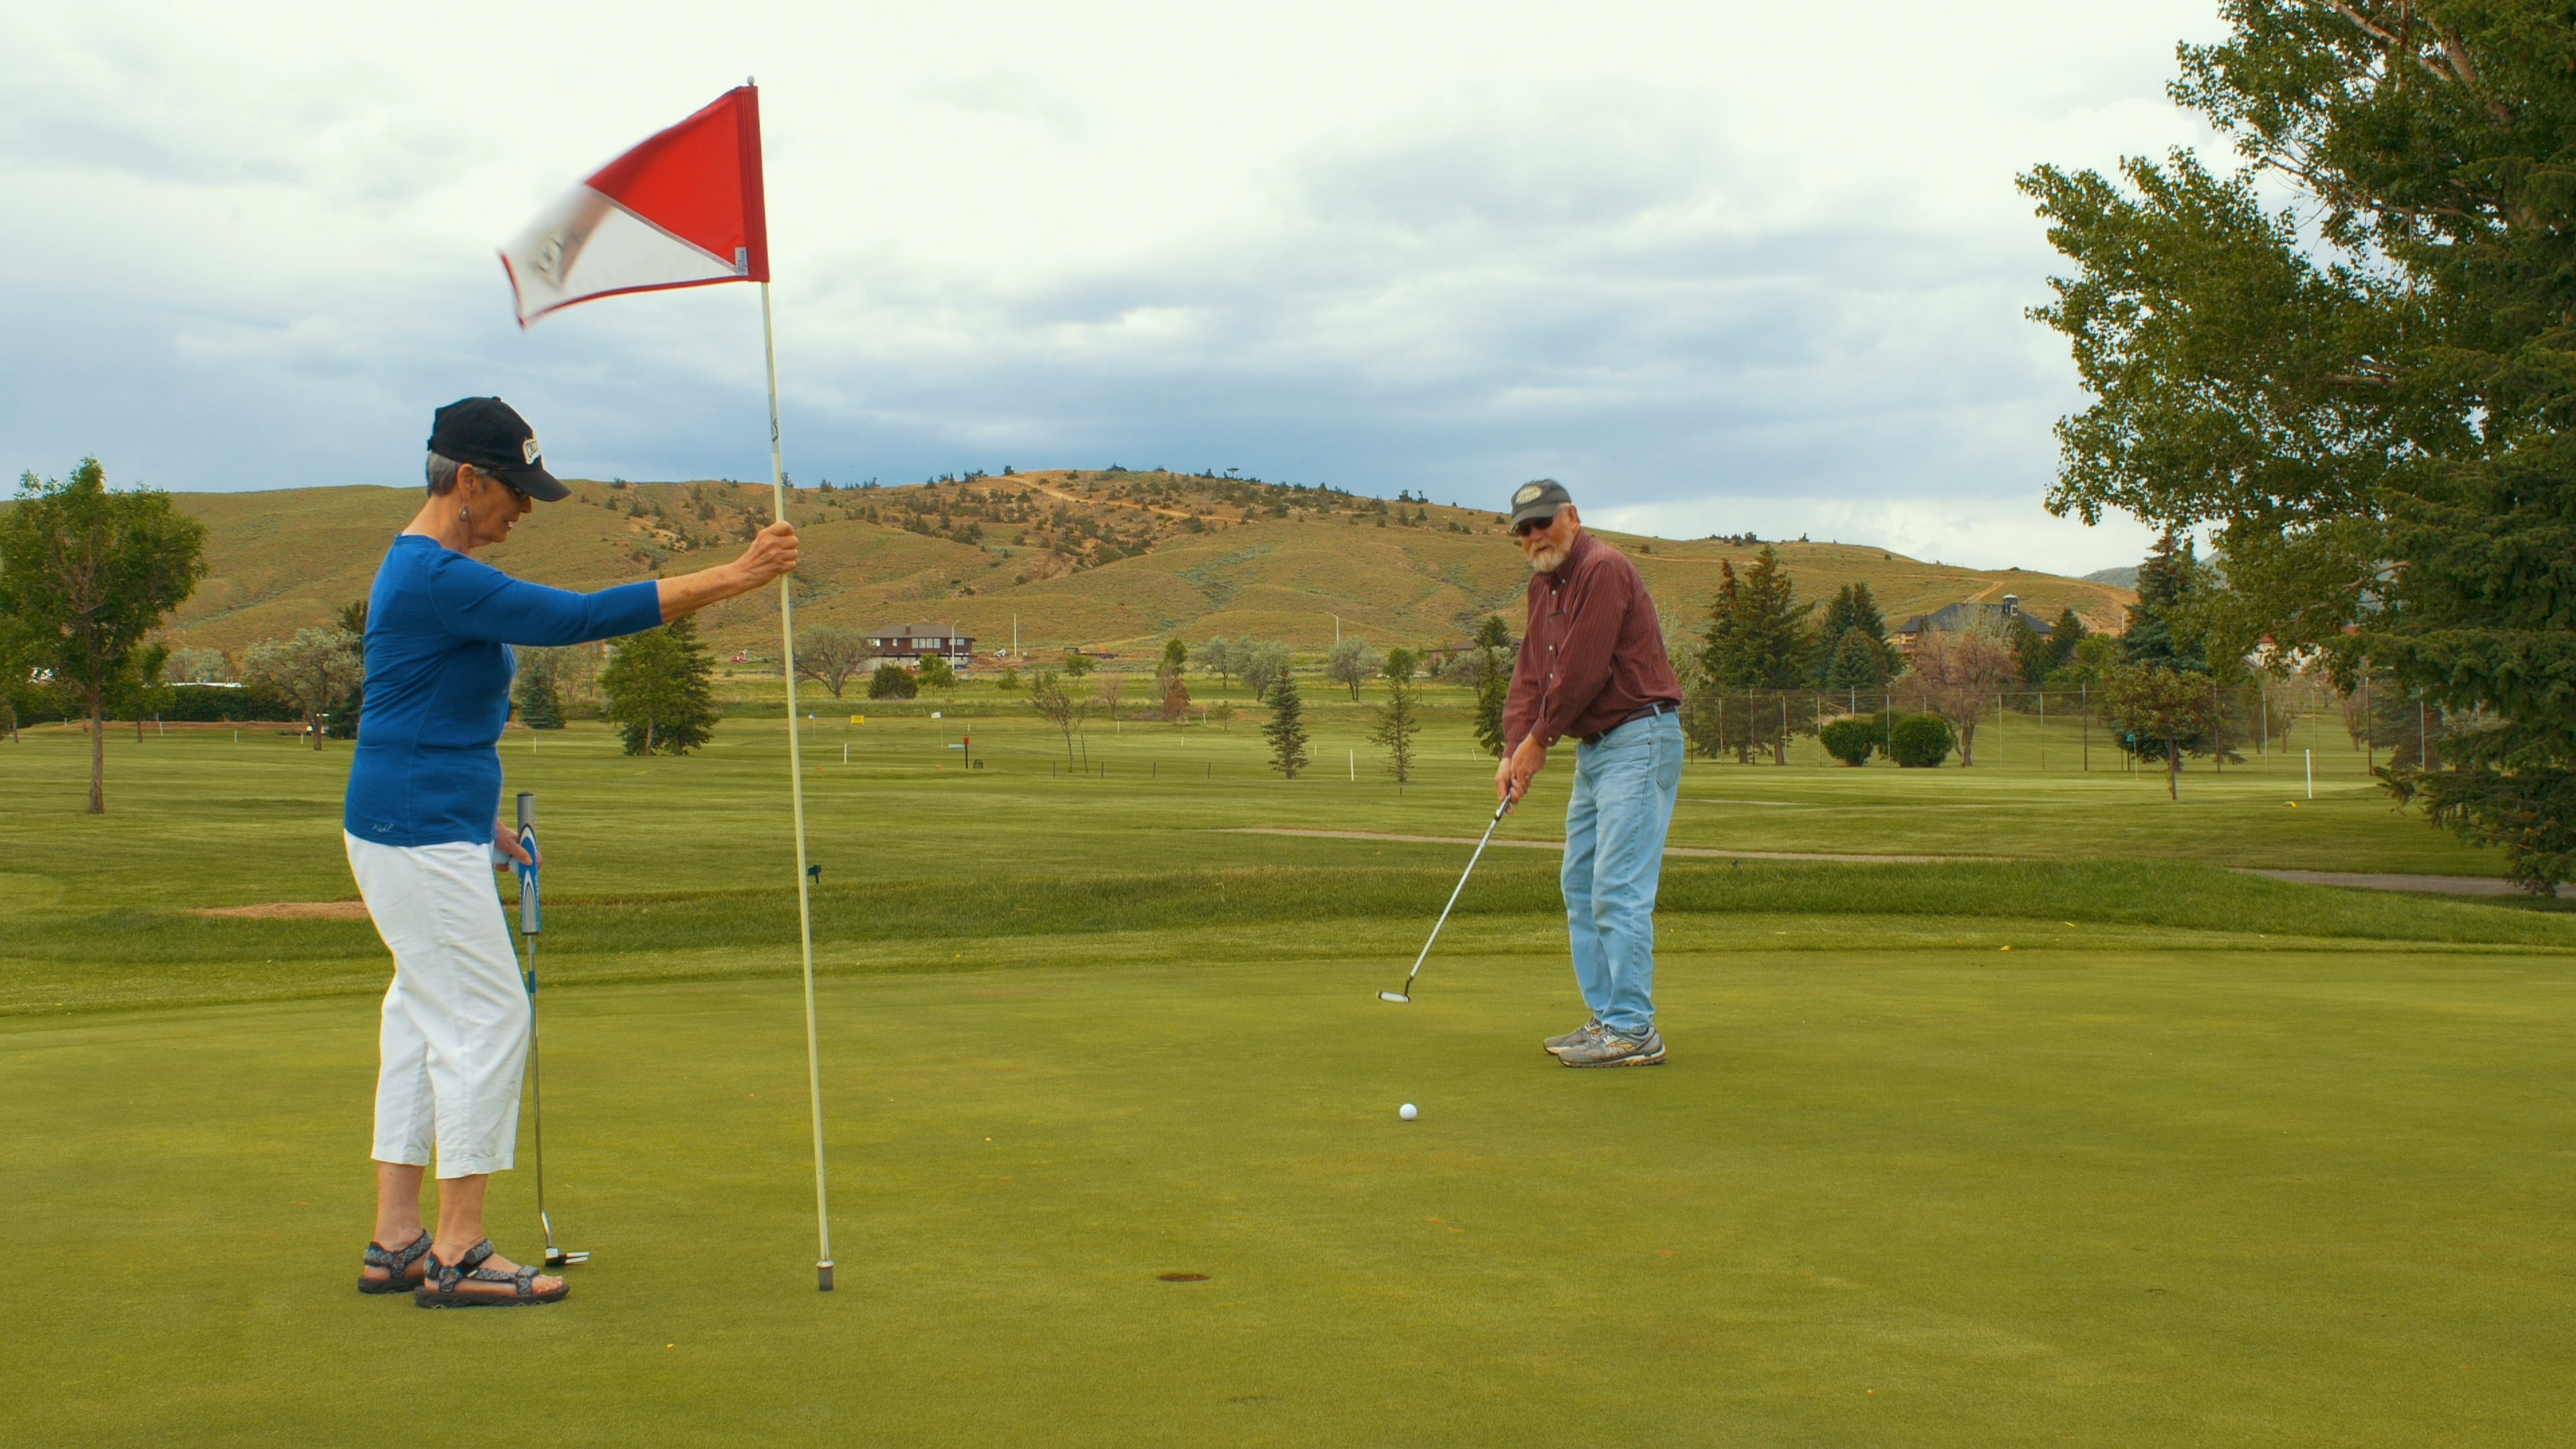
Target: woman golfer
424	792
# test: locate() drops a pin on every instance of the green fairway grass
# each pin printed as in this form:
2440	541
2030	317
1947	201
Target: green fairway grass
2116	1197
2082	1135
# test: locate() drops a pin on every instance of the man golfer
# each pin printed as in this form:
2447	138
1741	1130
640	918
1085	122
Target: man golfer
421	821
1593	666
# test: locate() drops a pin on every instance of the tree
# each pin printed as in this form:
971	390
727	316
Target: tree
831	657
86	574
1216	657
346	711
1853	607
659	690
1396	727
2041	655
2165	582
1352	662
1048	697
1076	664
1959	676
1919	741
1262	663
1107	691
1176	655
1400	664
1176	698
893	681
1757	636
2159	710
312	671
1494	661
2365	389
1286	730
934	673
540	705
1008	681
1858	662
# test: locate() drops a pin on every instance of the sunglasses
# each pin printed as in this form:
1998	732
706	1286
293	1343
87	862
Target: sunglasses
1528	526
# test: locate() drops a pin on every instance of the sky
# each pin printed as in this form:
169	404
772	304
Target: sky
1717	267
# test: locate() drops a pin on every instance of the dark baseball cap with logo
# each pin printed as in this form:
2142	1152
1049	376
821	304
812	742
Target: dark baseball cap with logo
1537	501
490	434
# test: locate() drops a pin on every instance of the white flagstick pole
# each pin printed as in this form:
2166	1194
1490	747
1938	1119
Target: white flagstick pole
796	792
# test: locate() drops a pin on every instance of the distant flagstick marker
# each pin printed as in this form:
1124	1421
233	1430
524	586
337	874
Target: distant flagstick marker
687	209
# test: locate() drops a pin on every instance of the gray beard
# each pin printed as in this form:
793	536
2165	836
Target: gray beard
1544	559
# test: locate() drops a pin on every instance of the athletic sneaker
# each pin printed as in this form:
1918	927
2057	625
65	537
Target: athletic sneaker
1585	1032
1610	1049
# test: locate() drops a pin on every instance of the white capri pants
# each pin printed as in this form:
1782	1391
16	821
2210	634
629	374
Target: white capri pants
455	1033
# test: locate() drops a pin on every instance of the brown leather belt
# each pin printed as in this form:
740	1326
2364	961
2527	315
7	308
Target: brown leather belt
1661	706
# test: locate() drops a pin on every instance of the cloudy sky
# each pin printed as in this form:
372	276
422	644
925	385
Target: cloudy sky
1716	266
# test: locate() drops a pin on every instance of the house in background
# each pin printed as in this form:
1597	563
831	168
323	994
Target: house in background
1955	618
905	643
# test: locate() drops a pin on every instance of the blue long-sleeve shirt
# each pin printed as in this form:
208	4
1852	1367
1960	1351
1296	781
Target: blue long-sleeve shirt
439	631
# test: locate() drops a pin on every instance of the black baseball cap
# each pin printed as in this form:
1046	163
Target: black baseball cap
490	434
1538	500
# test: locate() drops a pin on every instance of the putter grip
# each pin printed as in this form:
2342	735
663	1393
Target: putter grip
529	923
527	809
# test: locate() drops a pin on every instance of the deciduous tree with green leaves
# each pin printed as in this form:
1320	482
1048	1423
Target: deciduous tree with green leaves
85	575
660	691
2158	706
314	671
2367	390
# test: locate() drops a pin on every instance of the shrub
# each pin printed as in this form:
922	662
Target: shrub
1851	739
893	681
1920	741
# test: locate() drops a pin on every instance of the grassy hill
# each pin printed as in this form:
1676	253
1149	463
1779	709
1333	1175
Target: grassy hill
1101	560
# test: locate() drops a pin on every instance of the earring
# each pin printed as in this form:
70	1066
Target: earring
464	514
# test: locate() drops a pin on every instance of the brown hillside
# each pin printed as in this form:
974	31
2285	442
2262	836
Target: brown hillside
1104	561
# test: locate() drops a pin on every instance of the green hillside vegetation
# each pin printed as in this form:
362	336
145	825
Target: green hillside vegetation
1109	560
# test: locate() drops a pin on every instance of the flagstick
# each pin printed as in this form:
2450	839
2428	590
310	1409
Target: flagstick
796	792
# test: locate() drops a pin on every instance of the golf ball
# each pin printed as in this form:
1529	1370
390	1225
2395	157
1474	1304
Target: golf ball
1406	1112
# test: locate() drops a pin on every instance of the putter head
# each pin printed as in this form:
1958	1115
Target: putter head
1393	996
557	1258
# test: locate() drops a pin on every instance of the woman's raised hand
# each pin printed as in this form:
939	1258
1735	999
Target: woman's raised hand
772	553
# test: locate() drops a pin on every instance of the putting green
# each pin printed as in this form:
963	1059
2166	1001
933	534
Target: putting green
1932	1196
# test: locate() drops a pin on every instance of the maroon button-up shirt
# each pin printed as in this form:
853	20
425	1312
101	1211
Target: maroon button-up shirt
1594	654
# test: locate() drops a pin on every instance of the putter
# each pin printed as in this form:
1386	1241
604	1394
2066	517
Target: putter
529	924
1406	994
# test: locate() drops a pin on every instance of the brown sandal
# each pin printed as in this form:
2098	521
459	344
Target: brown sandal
404	1267
466	1283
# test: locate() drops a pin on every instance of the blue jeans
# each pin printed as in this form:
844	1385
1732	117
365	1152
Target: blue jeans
1624	789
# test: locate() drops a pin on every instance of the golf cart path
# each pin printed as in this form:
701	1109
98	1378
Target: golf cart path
2446	885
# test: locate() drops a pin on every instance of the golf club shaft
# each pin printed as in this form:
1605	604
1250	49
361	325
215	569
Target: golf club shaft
1499	812
530	921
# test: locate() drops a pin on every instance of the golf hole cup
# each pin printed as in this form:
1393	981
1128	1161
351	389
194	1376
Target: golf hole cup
1406	1112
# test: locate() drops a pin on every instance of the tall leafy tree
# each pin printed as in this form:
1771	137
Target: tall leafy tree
1353	663
831	657
660	694
2161	713
1286	727
85	575
1216	657
2367	390
346	711
314	671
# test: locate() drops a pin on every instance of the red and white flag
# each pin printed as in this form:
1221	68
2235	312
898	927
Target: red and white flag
682	210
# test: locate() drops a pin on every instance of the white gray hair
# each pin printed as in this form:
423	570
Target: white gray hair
442	475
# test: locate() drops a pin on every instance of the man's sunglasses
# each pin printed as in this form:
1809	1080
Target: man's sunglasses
1528	526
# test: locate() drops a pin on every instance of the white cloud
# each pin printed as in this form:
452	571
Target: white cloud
1730	263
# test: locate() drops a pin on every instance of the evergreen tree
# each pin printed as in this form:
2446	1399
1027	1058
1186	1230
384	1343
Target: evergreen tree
1396	726
1494	661
659	691
1858	662
2164	582
1853	608
540	705
1758	635
1286	730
